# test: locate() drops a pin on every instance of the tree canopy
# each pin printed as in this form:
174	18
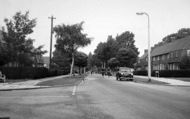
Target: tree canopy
115	50
17	45
69	38
126	57
181	33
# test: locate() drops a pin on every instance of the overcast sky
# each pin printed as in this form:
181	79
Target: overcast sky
103	18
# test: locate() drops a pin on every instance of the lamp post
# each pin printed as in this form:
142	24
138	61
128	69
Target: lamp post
51	33
149	60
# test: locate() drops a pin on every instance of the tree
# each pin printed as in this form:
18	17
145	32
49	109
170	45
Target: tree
107	50
18	45
102	53
62	60
126	40
96	61
37	54
110	49
126	57
69	38
169	38
185	62
182	33
90	61
4	58
113	63
81	60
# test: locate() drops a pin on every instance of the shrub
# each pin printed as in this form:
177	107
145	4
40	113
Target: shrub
174	73
25	72
143	73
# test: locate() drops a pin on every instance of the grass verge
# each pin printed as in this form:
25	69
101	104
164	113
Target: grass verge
142	80
66	81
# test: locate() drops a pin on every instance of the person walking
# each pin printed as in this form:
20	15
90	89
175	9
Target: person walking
2	77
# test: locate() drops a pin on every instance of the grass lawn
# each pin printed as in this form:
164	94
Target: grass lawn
66	81
142	80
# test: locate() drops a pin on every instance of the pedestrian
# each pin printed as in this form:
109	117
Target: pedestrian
2	77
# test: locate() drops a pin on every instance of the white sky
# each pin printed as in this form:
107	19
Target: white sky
103	18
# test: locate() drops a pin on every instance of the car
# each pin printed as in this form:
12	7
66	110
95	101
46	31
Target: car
124	73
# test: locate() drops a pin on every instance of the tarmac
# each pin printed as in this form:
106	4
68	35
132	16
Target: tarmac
32	84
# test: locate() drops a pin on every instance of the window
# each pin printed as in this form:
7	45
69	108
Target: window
171	54
176	54
168	56
158	58
188	52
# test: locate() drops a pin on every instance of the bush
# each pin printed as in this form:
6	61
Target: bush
174	73
143	73
25	72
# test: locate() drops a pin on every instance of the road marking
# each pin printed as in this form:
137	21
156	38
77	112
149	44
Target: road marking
74	90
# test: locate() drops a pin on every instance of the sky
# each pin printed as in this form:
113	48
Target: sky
103	18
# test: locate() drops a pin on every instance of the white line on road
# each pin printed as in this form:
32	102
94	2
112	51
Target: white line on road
74	90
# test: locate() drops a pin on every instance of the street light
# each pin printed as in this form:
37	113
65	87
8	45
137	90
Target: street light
51	33
149	61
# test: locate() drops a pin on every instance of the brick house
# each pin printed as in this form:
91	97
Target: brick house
168	56
142	61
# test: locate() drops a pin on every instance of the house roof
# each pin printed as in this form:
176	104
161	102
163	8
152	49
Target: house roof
179	44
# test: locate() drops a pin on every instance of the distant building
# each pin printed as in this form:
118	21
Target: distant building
168	56
142	61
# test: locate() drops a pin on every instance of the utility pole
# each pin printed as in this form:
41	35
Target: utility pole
51	33
149	57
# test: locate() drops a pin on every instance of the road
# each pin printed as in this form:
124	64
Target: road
98	98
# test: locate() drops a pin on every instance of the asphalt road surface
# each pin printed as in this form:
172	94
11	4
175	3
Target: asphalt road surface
98	98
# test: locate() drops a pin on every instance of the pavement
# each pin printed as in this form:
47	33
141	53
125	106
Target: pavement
98	97
32	84
169	81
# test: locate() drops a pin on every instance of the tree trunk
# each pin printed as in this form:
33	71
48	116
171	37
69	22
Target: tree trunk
84	70
72	64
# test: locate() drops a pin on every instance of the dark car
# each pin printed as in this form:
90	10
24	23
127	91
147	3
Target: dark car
124	74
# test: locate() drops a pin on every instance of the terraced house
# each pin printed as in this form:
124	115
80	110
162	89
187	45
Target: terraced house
168	56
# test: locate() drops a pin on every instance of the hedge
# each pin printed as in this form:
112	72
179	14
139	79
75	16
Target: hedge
143	73
174	73
24	72
29	72
166	73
